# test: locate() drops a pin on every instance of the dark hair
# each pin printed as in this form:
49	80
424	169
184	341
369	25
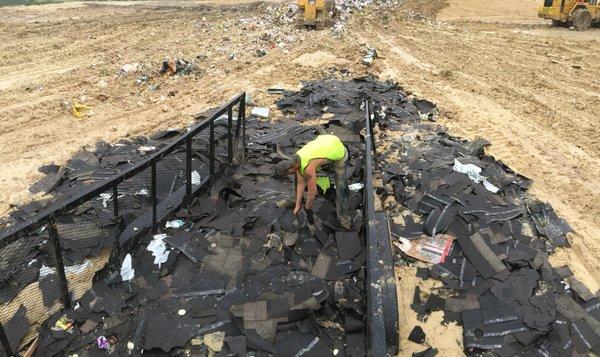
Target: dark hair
282	167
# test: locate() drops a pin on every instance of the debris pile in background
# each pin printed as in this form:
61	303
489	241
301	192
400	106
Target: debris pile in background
345	8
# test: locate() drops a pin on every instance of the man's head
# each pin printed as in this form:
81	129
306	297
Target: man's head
287	167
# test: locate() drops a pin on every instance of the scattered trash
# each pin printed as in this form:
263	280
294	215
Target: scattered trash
72	269
143	192
127	271
429	249
371	54
261	112
196	178
260	53
179	66
145	149
64	324
275	90
105	197
356	186
130	68
102	343
215	340
159	249
177	223
143	79
181	312
79	110
474	174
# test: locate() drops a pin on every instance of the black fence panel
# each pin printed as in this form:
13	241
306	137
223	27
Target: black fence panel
45	262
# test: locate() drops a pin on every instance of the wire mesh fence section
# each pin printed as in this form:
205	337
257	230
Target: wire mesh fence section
50	260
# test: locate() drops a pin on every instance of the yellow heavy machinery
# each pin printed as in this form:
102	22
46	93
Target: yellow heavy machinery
313	13
580	14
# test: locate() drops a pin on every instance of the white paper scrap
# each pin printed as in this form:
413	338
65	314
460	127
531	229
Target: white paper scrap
73	269
261	112
355	186
127	271
474	173
159	249
195	178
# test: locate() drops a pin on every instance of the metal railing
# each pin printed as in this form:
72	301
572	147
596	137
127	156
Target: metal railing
382	299
159	208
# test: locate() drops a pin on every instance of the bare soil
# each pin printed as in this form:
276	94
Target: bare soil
496	72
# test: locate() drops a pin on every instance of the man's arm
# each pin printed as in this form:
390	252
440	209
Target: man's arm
300	186
310	174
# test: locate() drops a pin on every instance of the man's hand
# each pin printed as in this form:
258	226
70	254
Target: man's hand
297	209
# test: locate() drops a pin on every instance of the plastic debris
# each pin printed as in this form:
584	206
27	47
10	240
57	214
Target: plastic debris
159	249
143	149
105	197
64	324
127	271
178	66
429	249
143	192
195	178
72	269
102	343
307	348
79	110
474	173
370	56
261	112
181	312
130	68
276	90
177	223
356	186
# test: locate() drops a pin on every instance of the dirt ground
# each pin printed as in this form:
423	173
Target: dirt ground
496	72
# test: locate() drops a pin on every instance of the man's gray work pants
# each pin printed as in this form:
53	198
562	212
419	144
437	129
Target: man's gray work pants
341	194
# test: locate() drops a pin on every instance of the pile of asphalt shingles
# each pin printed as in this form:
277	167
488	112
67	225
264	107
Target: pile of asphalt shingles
499	283
242	264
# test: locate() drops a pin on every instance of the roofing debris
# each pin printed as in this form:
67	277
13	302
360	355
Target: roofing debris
245	268
499	283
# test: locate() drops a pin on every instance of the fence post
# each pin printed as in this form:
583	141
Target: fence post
243	111
188	169
116	202
229	135
60	267
153	194
5	342
371	126
211	149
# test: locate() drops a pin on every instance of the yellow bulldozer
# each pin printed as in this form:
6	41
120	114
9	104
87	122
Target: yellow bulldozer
313	13
581	14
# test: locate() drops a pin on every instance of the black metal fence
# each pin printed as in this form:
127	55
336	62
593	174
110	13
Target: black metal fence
110	214
382	299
